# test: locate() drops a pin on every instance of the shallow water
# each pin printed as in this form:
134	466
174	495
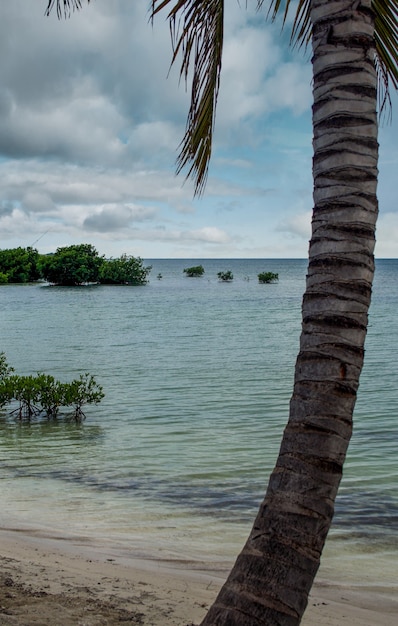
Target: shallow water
197	376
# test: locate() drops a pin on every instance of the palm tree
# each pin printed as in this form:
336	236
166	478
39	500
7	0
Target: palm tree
355	58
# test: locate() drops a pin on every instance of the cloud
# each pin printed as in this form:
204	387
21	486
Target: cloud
254	89
241	91
36	201
87	131
87	91
387	235
6	209
298	225
90	127
289	87
209	234
17	222
68	184
114	217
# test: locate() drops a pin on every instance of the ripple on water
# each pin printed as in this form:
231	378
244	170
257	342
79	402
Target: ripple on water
197	377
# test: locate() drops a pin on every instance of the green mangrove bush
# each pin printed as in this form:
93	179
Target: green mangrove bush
226	277
196	270
268	277
42	394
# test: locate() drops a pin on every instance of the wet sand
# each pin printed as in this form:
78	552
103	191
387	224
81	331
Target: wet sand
69	581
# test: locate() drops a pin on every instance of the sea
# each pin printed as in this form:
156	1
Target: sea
197	376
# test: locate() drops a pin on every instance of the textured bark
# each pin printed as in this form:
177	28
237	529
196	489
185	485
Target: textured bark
271	579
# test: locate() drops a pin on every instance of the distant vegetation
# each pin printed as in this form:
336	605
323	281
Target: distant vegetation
44	395
268	277
196	270
127	270
19	265
226	276
82	265
71	266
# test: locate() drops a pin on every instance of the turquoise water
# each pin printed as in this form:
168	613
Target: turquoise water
197	376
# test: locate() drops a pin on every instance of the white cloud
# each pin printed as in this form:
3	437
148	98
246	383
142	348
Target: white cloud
298	225
90	126
209	234
289	87
150	139
256	80
387	235
116	217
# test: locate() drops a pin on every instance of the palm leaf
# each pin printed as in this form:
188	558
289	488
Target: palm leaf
196	28
386	38
64	7
301	29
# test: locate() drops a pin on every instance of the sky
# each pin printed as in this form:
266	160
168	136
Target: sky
90	123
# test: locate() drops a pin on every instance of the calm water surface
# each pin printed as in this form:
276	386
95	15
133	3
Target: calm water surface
197	376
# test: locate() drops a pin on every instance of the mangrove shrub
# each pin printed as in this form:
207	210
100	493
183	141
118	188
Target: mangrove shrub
268	277
226	277
19	265
42	394
72	265
126	270
196	270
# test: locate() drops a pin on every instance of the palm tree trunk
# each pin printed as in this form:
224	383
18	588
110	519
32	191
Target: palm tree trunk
271	579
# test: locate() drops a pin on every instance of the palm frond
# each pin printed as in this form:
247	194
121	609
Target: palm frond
301	29
64	7
197	29
386	39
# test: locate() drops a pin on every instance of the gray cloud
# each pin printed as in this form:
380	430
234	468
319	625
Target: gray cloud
113	218
37	201
75	89
6	209
90	126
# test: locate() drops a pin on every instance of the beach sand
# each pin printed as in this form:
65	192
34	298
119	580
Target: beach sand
49	580
66	581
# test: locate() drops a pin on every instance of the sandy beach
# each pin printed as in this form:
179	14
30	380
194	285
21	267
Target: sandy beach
69	581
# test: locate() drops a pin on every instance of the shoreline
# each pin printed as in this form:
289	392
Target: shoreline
49	578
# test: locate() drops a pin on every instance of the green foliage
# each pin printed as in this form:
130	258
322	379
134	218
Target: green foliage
83	391
268	277
226	276
43	394
72	265
19	265
5	372
6	391
126	270
81	264
196	270
25	390
5	369
51	395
